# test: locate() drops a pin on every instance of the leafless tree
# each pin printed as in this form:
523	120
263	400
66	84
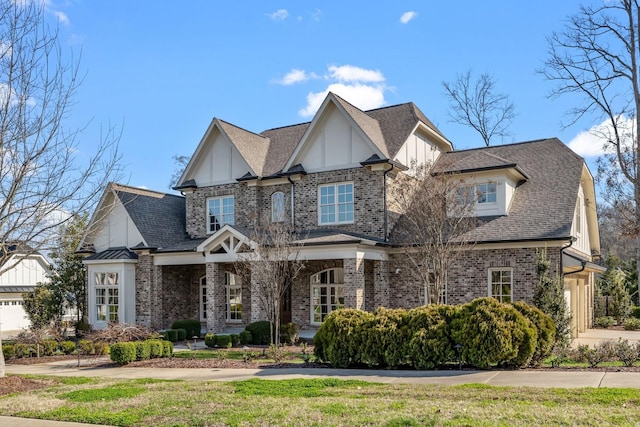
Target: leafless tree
46	175
180	162
477	105
596	58
437	216
271	265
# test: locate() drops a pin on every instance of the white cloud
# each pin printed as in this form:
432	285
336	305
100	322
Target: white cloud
296	76
593	142
62	17
279	15
408	16
362	96
350	73
316	15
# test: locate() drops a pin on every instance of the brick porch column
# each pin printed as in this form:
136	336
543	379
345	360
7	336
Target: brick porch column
257	312
147	293
354	281
216	298
380	284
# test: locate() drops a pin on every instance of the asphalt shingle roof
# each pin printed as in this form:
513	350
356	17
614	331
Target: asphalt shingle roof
543	206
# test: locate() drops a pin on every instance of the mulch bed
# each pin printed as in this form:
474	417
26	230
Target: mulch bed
15	384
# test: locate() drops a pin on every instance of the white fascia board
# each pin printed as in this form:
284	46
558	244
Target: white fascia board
179	258
219	236
433	136
194	156
311	253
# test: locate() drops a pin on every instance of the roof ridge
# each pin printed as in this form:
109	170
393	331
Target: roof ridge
241	128
140	191
533	141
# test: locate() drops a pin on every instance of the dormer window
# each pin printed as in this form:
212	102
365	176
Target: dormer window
221	211
486	193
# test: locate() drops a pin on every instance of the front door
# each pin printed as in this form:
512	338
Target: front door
285	307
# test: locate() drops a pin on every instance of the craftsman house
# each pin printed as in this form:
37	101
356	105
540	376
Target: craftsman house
153	258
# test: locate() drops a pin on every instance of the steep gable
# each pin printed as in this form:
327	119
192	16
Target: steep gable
339	136
225	153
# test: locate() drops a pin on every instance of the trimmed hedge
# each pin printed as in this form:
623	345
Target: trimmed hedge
67	347
245	337
223	341
489	334
210	340
167	349
156	348
182	334
260	332
9	350
191	326
143	350
123	353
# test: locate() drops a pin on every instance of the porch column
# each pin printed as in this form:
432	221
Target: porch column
354	281
257	311
216	298
147	293
380	284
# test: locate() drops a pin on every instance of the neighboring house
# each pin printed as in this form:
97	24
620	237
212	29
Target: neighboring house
25	270
154	258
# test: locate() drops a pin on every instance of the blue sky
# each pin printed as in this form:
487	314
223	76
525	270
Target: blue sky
163	70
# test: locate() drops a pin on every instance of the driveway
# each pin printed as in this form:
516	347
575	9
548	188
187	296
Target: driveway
594	336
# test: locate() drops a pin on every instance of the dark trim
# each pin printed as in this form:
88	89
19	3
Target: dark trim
482	169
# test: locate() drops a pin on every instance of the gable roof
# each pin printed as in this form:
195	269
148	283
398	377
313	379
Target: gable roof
543	206
159	217
269	151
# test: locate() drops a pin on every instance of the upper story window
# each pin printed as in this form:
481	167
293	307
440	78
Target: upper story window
335	203
483	193
221	211
277	206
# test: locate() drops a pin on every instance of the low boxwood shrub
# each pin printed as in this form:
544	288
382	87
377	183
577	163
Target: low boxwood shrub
223	341
170	334
430	343
632	324
210	340
143	350
167	349
123	353
260	332
48	347
86	347
191	326
182	334
24	350
235	340
155	348
635	312
245	337
100	348
68	347
9	351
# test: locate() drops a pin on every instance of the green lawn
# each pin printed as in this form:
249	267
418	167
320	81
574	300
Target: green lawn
318	402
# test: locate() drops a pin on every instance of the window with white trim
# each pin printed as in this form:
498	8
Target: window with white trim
106	287
277	206
234	297
203	298
220	211
335	203
501	284
327	293
483	193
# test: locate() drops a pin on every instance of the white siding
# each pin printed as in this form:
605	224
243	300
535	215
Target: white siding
219	162
419	150
505	190
117	230
28	272
126	292
581	230
334	144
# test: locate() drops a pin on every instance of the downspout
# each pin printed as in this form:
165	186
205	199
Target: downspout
293	186
384	204
562	253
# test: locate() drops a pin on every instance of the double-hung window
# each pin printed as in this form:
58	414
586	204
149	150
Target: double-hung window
486	193
335	203
220	211
106	286
501	284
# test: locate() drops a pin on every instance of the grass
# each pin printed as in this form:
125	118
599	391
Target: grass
318	402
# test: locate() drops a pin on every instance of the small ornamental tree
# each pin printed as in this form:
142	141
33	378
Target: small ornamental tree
620	302
548	296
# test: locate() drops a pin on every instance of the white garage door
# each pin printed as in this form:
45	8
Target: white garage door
12	316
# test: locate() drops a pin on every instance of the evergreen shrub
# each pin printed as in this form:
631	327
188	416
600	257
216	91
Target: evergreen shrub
260	332
430	343
245	337
143	350
210	340
545	329
68	347
123	353
340	338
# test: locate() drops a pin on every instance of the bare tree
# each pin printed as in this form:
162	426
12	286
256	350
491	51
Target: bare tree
45	177
271	266
596	57
436	218
180	162
477	105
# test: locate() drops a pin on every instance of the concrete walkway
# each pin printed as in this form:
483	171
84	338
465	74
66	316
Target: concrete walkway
594	336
